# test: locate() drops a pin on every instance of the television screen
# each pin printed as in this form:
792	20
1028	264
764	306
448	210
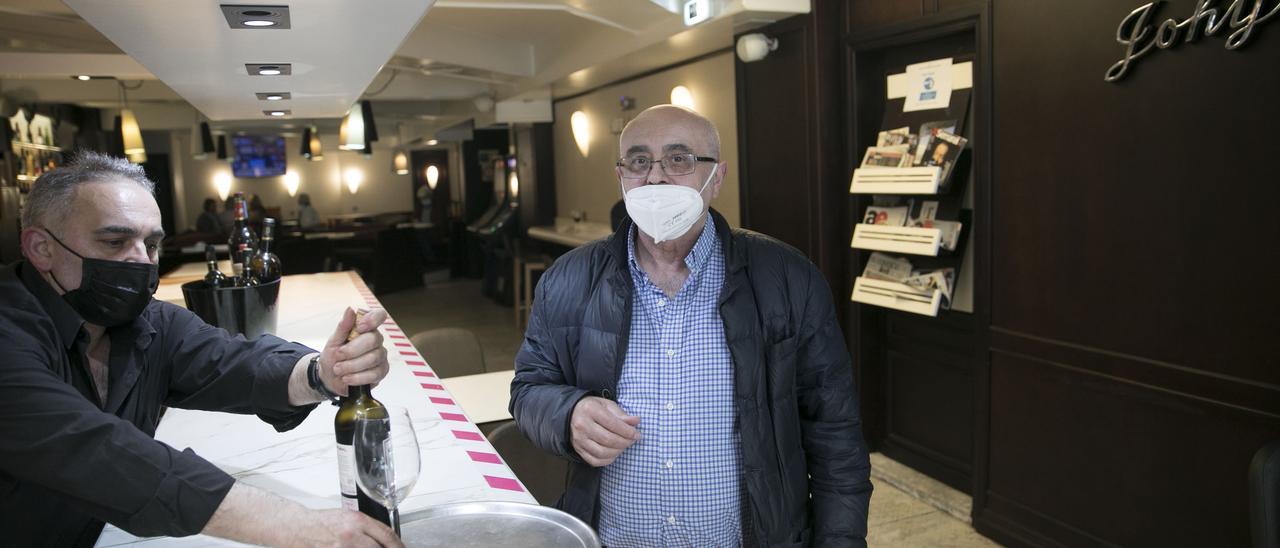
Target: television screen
258	155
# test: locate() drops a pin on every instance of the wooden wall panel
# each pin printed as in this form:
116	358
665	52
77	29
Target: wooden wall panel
1090	461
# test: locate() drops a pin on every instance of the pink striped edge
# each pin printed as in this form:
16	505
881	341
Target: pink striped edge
429	386
415	362
504	483
491	458
441	401
469	436
409	353
453	417
424	373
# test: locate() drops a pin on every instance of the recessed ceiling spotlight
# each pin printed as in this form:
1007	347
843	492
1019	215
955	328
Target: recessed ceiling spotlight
269	69
273	95
83	77
277	113
240	16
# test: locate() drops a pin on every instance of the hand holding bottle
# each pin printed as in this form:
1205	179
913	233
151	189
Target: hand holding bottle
354	355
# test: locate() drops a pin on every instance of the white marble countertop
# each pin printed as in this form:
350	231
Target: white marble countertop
458	464
566	232
485	397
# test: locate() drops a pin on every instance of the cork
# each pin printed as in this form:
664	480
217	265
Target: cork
354	333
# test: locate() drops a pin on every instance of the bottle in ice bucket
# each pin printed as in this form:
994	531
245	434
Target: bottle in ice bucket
265	265
214	278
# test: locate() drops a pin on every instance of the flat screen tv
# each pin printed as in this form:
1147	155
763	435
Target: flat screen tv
258	156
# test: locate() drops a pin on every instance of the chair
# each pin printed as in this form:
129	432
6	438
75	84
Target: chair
451	351
1264	496
541	472
523	267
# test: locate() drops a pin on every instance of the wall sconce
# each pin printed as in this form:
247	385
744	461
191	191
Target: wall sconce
353	178
291	182
433	176
754	47
222	183
513	184
581	131
682	97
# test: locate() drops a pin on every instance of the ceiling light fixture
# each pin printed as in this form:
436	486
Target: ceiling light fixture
311	144
755	46
201	141
269	69
251	17
351	133
273	95
433	176
84	77
432	143
277	113
130	133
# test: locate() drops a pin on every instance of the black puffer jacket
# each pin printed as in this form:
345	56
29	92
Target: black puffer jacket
804	457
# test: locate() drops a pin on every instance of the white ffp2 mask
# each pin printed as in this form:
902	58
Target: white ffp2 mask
665	212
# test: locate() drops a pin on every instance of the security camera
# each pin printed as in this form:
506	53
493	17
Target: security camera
754	47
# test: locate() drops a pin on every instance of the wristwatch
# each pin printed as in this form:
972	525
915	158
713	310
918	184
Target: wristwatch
313	379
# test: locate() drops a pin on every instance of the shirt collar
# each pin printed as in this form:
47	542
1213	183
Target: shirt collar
706	244
65	319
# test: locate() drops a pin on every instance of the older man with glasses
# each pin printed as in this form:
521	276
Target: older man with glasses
694	375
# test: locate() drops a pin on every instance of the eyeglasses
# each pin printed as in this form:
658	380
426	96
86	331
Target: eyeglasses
683	163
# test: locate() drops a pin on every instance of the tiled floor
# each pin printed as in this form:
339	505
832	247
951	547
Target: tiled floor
908	509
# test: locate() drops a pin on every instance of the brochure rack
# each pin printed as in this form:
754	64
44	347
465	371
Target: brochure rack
896	180
897	239
897	296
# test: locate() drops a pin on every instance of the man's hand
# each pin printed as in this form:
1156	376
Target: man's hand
354	355
253	516
600	430
343	528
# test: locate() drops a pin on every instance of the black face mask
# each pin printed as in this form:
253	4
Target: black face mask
111	293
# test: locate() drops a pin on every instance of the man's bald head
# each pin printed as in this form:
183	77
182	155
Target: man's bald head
677	120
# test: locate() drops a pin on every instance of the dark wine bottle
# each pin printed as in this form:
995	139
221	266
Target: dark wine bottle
359	404
214	278
265	265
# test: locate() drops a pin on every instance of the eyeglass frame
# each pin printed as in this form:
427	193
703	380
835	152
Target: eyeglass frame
660	162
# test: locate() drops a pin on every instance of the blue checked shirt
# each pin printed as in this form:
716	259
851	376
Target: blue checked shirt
681	484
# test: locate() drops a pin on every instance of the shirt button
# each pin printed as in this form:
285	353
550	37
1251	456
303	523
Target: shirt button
671	353
662	302
671	407
671	464
671	520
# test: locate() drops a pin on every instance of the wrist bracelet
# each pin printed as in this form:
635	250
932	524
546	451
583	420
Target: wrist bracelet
313	379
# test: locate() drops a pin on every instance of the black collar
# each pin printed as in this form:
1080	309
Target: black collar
65	319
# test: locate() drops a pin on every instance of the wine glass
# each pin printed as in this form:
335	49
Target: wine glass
387	456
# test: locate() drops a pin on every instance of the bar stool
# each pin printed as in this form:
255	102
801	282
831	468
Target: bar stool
523	267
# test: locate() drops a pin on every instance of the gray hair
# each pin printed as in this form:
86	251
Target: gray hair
52	194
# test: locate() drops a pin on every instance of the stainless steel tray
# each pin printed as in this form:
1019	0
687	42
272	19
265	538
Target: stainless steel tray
498	524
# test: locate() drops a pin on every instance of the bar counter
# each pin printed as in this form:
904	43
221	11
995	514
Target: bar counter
458	464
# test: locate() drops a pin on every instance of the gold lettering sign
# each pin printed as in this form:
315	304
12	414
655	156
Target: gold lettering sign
1140	35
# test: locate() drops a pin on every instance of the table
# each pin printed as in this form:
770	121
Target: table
569	234
485	397
458	464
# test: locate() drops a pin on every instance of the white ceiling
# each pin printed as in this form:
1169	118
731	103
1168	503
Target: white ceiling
430	67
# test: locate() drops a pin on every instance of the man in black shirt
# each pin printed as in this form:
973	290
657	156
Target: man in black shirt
87	360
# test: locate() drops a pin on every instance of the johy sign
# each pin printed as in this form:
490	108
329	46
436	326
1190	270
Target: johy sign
1139	33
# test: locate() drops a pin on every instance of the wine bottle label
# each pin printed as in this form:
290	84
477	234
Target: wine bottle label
347	476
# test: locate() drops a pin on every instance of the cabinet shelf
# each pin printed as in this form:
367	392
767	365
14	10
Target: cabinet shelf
896	180
896	296
897	239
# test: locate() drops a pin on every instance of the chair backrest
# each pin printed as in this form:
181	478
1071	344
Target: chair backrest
541	472
1264	496
451	351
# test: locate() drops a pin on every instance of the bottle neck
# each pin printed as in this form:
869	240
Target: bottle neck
360	392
